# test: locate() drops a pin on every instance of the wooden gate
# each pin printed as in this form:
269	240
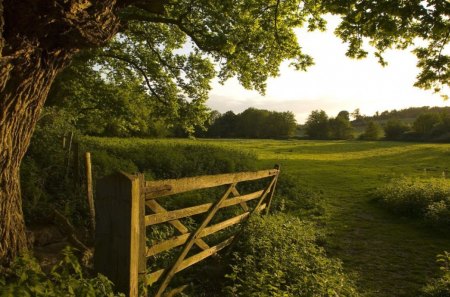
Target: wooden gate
123	202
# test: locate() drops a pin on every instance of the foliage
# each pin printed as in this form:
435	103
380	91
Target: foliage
66	278
278	256
373	132
394	129
397	24
111	107
253	123
340	127
405	114
166	159
425	123
317	125
426	198
293	198
46	172
440	287
320	126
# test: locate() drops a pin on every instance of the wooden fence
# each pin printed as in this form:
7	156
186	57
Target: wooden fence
123	202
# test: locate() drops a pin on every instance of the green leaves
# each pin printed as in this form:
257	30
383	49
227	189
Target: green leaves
399	24
65	279
278	256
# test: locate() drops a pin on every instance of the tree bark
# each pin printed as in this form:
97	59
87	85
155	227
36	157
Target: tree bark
37	39
28	80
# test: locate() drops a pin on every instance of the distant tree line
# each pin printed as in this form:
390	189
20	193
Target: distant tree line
407	113
320	126
426	127
412	124
251	123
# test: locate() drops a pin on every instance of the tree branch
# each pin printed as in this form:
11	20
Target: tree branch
138	68
180	25
277	37
154	6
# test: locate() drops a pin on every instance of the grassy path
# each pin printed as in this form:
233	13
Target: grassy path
392	256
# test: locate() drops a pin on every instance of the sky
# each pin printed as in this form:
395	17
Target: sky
333	84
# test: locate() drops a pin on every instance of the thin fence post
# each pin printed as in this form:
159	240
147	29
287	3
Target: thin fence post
89	191
67	159
120	231
76	163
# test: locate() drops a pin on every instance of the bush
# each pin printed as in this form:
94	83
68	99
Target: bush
426	198
278	256
26	278
440	287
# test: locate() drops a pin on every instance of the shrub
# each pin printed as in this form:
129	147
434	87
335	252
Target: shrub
440	287
427	198
26	278
278	256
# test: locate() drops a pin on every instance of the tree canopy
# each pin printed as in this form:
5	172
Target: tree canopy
247	39
253	123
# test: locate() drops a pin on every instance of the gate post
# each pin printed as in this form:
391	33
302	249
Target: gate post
120	231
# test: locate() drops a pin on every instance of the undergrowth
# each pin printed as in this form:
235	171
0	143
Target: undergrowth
426	198
440	287
279	255
67	278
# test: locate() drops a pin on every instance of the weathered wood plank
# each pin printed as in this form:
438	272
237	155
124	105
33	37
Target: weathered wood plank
161	188
171	272
155	276
244	205
119	246
157	208
204	254
176	291
181	239
162	217
89	192
273	189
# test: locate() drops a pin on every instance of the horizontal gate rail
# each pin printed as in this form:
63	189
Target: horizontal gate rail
122	200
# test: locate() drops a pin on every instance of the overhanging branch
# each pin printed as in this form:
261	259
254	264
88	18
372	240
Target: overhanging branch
138	68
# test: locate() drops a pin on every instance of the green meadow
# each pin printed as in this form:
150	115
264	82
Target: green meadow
388	255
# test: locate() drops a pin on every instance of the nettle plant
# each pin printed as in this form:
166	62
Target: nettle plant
26	278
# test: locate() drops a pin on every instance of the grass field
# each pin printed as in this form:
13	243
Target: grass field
389	255
392	256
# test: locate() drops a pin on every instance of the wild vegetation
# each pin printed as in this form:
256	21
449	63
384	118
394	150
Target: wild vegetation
426	198
143	41
279	256
411	124
343	223
67	278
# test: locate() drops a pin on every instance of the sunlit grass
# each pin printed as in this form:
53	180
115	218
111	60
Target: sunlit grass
393	255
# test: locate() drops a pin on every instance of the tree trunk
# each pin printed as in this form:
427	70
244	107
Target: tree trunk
26	80
37	39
